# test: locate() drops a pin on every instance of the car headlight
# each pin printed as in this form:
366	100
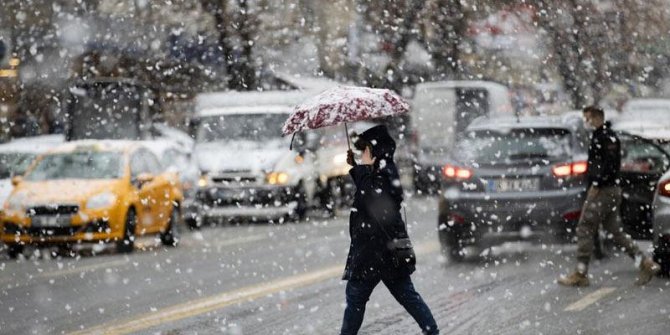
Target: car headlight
340	159
102	200
277	178
14	204
202	181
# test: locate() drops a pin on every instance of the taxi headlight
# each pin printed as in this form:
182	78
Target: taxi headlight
15	203
102	200
277	178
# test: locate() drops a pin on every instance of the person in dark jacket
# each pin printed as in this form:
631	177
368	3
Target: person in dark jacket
602	204
375	221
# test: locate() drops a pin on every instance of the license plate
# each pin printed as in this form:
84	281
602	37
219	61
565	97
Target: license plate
48	221
230	195
514	185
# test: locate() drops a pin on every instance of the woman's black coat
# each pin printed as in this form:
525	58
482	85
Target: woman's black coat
375	217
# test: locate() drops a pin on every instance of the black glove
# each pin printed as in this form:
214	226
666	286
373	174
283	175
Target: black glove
350	158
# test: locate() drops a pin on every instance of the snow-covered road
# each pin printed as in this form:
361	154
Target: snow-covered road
284	279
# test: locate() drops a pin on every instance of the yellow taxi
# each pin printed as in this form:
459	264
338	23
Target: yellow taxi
92	191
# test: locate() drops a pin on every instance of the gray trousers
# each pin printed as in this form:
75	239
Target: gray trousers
601	207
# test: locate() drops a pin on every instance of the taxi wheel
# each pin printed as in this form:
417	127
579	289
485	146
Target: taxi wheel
14	250
127	243
171	236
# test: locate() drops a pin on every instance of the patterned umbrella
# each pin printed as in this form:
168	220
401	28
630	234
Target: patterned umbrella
341	105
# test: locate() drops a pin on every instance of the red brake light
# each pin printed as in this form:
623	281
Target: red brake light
569	169
562	170
572	216
455	172
579	168
664	188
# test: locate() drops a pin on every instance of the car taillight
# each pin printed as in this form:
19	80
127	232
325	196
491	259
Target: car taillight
455	172
569	169
572	216
664	188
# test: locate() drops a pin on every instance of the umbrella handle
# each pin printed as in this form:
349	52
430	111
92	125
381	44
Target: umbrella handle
346	134
290	147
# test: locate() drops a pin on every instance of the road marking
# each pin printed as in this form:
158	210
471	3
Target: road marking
86	268
140	244
80	269
590	299
215	302
240	240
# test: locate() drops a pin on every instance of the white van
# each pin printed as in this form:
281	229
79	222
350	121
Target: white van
441	111
247	169
649	118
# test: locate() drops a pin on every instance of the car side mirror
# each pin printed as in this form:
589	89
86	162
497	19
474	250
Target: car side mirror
143	178
16	180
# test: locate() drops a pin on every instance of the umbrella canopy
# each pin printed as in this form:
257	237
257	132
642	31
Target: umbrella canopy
344	104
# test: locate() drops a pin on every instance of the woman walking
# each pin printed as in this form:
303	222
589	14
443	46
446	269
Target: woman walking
374	224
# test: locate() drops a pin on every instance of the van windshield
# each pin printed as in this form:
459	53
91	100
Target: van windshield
245	127
492	146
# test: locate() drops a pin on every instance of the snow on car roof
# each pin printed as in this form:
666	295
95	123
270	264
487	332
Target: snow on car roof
33	144
461	83
308	82
637	104
268	109
158	147
206	101
97	145
510	122
644	128
306	87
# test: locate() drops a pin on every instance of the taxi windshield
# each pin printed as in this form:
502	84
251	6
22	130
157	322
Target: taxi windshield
77	165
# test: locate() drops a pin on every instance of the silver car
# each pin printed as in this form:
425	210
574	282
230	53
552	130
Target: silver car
661	218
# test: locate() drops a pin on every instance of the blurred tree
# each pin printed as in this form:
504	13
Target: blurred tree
240	24
596	44
446	30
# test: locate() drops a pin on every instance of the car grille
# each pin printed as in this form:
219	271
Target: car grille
234	179
53	210
238	197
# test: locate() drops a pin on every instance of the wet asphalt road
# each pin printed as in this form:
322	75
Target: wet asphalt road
284	279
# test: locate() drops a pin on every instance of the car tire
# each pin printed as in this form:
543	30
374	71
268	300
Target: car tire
193	223
14	250
127	243
456	254
662	257
326	199
451	247
301	208
171	236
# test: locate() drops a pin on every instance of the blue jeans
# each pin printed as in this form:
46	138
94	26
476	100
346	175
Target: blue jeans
358	292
